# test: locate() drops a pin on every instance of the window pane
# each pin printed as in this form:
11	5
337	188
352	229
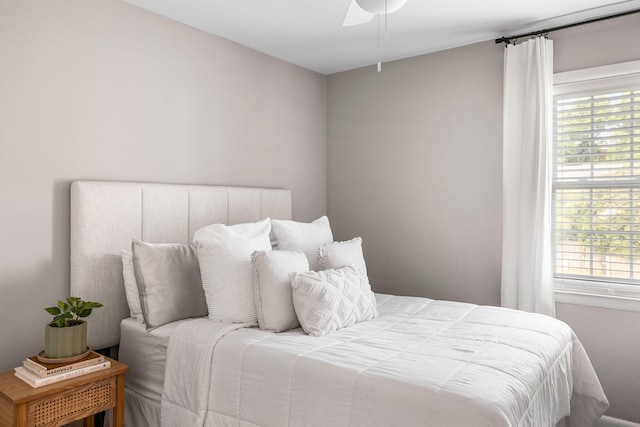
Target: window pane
596	185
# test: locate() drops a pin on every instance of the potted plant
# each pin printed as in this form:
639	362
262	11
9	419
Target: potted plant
66	335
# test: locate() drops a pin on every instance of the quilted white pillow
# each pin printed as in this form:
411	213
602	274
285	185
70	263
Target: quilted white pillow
301	236
272	287
225	265
328	300
341	254
131	286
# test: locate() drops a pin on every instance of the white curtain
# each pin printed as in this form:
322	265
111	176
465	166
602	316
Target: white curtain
527	277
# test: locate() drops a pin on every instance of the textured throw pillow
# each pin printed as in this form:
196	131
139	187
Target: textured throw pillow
169	284
225	265
341	254
131	286
328	300
302	236
272	287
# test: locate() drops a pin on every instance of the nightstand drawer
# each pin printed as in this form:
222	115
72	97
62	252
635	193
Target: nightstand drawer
73	404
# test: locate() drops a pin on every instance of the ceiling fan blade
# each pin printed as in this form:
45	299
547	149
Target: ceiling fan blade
356	15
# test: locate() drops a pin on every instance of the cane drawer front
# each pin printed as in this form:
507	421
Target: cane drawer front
73	404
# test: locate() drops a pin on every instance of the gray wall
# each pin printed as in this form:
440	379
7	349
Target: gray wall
103	90
414	166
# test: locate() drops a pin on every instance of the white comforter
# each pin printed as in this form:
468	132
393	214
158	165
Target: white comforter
420	363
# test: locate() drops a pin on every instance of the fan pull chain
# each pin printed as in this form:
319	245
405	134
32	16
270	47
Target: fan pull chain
386	32
386	22
379	62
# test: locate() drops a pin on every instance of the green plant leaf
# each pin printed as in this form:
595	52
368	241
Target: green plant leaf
74	302
61	319
53	310
63	306
91	304
84	313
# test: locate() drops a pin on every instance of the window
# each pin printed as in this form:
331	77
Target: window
596	181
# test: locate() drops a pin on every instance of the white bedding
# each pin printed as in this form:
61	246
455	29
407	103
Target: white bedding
421	362
145	353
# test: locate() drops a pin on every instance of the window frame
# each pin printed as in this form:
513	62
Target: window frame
605	294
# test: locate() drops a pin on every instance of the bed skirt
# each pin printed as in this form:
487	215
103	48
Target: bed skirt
140	411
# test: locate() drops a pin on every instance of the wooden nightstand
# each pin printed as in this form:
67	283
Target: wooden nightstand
61	403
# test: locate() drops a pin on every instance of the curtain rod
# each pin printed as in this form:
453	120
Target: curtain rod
562	27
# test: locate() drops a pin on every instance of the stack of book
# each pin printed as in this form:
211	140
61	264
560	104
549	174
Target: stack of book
38	374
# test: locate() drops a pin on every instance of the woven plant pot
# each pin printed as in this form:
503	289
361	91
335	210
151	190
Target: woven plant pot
65	342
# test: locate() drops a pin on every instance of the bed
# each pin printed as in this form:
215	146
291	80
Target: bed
419	362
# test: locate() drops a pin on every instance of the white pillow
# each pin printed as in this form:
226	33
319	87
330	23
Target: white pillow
131	287
302	236
225	265
341	254
328	300
272	287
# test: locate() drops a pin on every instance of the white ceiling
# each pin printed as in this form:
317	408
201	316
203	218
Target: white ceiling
309	33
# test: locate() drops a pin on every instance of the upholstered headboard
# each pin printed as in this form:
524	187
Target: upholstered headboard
106	215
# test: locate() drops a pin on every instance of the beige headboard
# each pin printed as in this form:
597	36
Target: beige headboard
106	215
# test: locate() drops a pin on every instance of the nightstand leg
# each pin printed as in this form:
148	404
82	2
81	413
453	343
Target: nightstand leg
118	411
21	415
89	421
